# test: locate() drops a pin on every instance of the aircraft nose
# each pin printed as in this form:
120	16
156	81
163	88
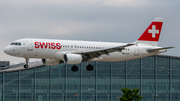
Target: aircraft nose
6	50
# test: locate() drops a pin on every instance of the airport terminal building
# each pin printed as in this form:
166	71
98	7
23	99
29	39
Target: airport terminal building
157	76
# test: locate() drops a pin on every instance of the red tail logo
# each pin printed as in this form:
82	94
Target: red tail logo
152	33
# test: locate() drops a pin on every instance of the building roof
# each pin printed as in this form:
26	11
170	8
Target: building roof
20	66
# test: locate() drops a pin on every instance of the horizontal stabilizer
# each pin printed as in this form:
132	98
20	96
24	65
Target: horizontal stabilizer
157	49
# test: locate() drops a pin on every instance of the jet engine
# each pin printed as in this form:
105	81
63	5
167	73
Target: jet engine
50	62
72	59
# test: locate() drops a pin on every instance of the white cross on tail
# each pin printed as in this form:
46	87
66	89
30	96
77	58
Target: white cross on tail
153	31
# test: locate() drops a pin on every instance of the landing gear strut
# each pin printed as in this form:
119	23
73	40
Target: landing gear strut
26	65
74	68
89	67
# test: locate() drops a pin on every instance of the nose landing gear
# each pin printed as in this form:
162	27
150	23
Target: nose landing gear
26	65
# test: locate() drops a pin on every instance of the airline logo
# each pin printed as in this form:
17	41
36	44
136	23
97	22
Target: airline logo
47	45
153	31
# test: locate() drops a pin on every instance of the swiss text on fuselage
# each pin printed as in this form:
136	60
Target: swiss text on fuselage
47	45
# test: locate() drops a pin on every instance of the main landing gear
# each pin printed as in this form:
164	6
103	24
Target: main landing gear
89	67
74	68
26	65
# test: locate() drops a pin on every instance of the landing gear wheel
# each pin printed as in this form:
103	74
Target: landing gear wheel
26	66
74	68
89	67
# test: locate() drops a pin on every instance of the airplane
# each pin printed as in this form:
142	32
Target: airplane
53	52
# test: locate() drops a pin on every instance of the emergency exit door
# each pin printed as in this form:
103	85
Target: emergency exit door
29	45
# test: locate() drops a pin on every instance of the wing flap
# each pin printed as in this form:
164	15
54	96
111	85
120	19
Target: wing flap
97	53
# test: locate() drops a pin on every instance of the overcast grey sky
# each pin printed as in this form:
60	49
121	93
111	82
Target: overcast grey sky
105	20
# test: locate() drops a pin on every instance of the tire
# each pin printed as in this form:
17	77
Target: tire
74	68
26	66
89	67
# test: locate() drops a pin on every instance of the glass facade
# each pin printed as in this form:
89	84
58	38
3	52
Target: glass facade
157	76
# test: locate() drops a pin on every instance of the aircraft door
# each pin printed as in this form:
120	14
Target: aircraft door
136	50
29	45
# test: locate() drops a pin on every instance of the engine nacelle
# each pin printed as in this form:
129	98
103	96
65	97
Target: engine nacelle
50	62
72	59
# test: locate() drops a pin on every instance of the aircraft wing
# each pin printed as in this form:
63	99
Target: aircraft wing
97	53
157	49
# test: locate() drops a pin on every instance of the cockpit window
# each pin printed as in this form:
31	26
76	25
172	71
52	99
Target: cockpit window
16	43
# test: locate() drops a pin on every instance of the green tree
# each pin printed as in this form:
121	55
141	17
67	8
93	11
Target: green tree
130	95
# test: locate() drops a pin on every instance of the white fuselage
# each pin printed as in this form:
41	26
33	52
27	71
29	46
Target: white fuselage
55	49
